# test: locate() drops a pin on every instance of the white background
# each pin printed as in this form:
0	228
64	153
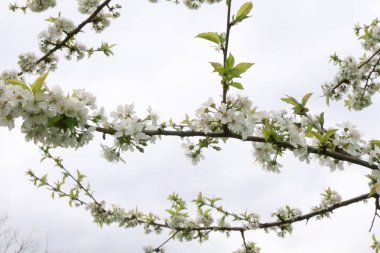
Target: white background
158	62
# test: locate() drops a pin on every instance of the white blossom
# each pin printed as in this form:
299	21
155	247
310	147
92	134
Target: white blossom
87	6
40	5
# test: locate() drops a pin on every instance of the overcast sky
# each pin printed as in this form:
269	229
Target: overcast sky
159	63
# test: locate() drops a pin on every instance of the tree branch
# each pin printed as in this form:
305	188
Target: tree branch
314	150
225	49
267	224
72	33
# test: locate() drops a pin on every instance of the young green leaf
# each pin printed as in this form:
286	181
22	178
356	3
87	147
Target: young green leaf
18	82
43	181
217	67
230	62
237	85
308	131
70	122
373	189
329	134
317	135
290	100
243	67
211	36
243	12
38	83
306	98
321	119
375	143
54	120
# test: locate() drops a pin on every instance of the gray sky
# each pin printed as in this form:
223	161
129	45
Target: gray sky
158	62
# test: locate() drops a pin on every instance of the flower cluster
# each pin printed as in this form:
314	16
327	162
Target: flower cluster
266	155
87	6
150	249
129	131
191	4
60	34
59	28
125	218
285	214
249	247
40	5
192	151
237	114
274	132
49	116
358	81
101	22
329	198
28	63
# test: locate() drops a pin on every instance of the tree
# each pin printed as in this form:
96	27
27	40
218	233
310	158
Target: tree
12	240
65	121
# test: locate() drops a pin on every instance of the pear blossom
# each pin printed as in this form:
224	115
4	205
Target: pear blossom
40	5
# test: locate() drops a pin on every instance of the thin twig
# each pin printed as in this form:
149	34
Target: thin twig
377	208
225	49
165	242
369	76
60	165
71	34
244	243
369	59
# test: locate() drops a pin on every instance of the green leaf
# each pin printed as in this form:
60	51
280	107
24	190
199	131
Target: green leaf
70	122
327	100
200	198
375	143
308	131
237	85
329	134
306	98
290	100
230	74
373	190
51	19
321	119
217	67
38	83
186	120
43	181
19	82
53	121
230	62
243	12
243	67
211	36
317	135
80	176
